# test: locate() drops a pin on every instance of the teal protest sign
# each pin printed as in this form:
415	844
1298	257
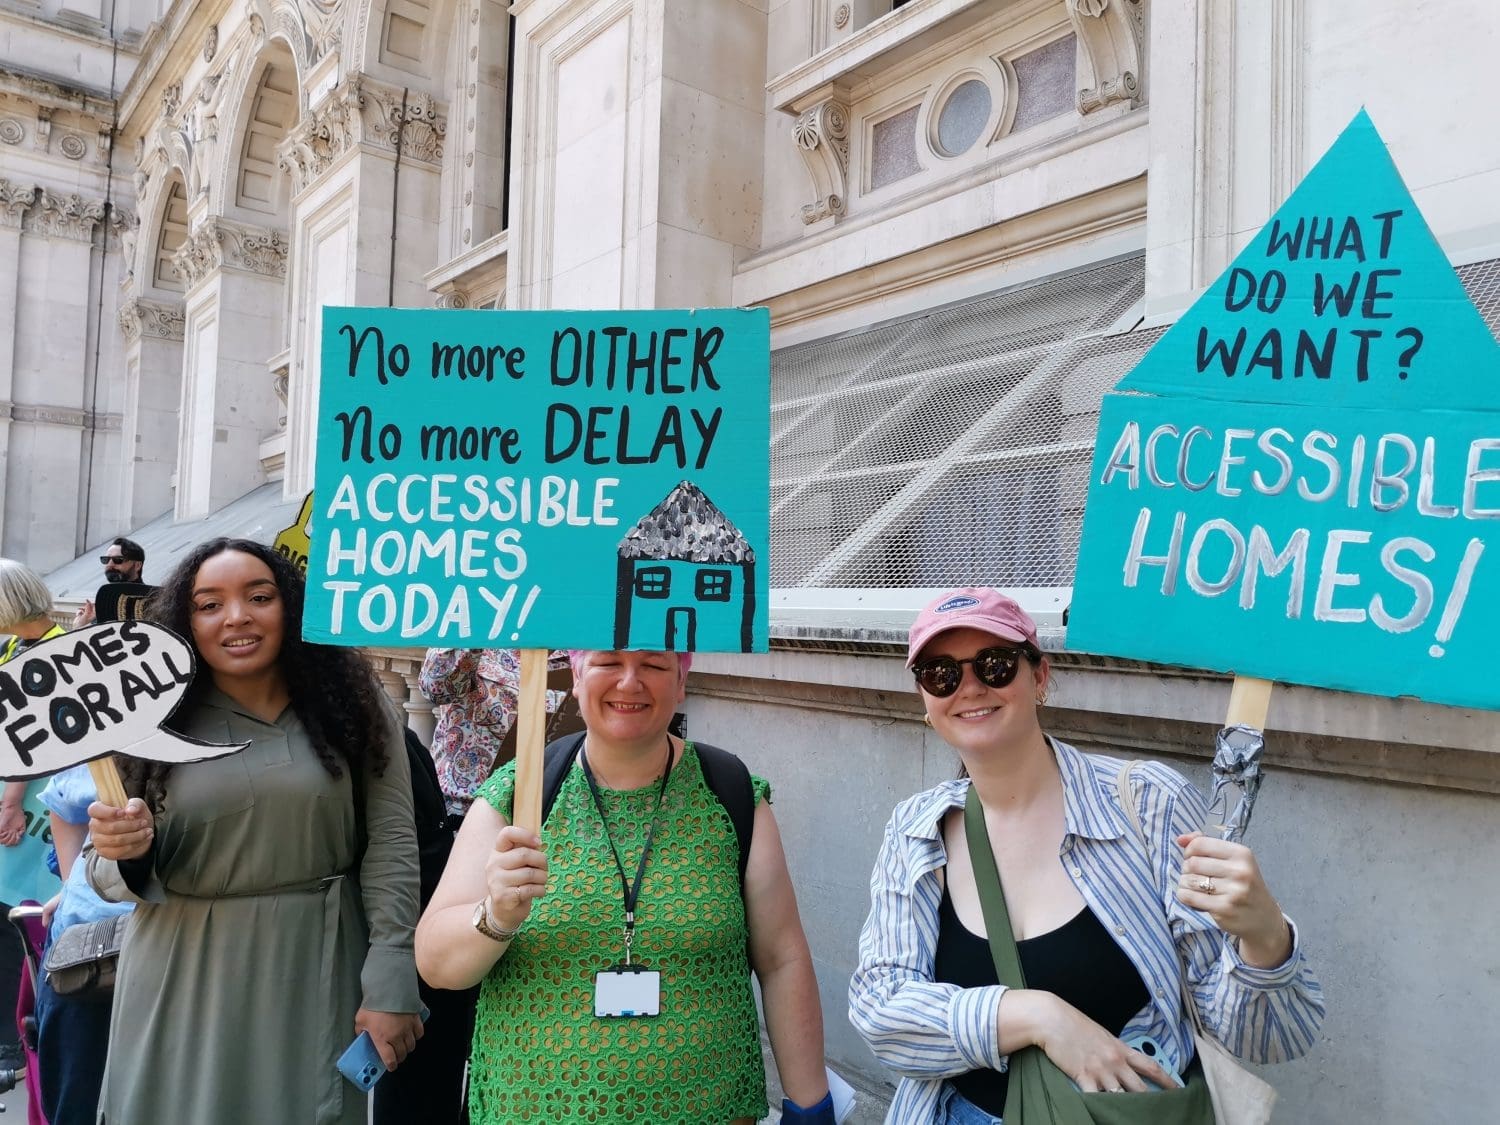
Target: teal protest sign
1301	480
542	479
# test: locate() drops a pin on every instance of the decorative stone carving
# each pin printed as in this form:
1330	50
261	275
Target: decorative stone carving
72	146
841	17
822	134
281	381
12	132
210	43
43	127
171	100
453	299
140	317
65	216
14	200
218	243
106	141
127	228
362	111
1110	52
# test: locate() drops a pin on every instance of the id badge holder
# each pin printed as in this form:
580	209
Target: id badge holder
627	991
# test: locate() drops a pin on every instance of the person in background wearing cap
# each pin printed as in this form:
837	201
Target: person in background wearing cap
1102	941
637	863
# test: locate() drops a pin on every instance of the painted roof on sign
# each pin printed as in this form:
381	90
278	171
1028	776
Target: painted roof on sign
686	527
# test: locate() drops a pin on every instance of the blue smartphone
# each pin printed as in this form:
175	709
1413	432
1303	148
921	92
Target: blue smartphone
361	1064
1152	1050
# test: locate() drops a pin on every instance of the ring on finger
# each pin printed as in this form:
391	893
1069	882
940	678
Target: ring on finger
1206	885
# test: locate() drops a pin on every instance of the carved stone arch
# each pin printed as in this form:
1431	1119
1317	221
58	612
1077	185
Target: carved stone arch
164	230
249	178
286	23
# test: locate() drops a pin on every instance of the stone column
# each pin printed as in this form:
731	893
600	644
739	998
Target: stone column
153	396
641	171
234	274
14	200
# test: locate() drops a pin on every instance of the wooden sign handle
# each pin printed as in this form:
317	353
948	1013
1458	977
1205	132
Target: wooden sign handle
107	781
531	738
1249	700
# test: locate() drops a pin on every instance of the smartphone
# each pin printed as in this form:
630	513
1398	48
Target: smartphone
361	1063
1152	1050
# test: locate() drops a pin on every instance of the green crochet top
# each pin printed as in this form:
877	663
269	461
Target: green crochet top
539	1054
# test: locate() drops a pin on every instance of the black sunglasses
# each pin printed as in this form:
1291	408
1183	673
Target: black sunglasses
995	667
107	559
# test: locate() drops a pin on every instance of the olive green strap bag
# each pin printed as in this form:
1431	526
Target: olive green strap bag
1038	1092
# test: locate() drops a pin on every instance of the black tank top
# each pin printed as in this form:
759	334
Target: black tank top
1078	962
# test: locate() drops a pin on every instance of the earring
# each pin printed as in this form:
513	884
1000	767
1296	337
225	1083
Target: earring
927	719
1041	699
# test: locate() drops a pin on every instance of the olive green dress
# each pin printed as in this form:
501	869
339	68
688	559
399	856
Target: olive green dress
539	1054
260	932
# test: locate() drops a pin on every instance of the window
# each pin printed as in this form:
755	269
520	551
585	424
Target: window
653	582
713	585
950	447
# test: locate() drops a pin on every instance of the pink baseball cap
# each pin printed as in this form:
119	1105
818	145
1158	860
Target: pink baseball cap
971	607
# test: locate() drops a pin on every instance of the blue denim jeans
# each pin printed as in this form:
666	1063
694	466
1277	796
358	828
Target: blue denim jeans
955	1109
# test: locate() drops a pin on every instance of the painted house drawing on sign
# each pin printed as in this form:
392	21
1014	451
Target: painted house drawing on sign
683	567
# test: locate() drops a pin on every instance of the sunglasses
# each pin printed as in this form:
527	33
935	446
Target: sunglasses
995	668
107	559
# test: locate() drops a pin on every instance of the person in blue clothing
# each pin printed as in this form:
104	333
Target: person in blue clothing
72	1031
1104	939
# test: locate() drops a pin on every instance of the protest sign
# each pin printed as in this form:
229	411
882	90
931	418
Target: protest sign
1300	481
104	689
542	480
293	542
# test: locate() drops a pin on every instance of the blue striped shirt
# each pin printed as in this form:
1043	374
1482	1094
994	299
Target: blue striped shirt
926	1031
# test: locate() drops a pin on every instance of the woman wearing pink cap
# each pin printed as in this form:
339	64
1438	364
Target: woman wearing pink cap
1110	915
615	947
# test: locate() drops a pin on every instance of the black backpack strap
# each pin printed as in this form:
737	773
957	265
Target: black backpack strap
728	780
557	760
727	777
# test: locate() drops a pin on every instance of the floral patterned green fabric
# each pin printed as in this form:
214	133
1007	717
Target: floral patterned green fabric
539	1054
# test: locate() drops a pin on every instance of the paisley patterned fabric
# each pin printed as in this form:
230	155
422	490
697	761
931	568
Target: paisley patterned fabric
539	1054
476	691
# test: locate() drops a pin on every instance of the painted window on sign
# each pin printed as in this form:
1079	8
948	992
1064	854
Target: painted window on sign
653	582
713	585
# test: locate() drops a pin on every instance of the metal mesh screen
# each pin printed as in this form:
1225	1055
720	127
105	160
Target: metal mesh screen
953	447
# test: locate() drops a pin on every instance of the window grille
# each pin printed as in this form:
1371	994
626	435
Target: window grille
950	447
953	447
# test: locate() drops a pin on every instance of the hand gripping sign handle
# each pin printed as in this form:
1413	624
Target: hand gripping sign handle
107	781
531	736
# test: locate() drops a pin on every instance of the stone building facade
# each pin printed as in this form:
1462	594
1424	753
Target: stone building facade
968	218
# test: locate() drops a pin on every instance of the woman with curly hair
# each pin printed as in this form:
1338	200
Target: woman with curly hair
276	887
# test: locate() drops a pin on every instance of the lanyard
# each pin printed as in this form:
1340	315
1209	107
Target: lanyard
631	892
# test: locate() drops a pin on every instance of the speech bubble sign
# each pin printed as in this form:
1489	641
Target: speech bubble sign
1301	480
104	689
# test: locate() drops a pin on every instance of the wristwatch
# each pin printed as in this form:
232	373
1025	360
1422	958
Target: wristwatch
484	924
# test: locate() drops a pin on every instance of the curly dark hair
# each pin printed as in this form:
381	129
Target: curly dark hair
334	691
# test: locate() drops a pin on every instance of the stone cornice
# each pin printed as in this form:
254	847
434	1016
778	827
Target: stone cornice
58	416
219	243
88	100
64	216
167	49
159	320
14	200
362	111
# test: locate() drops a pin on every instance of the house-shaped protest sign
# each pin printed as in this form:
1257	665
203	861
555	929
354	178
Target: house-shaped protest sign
1301	480
683	563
